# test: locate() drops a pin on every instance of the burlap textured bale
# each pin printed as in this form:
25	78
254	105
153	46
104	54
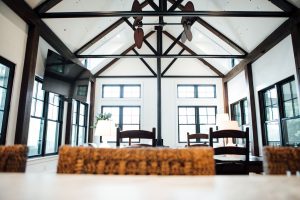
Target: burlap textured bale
279	160
13	158
139	161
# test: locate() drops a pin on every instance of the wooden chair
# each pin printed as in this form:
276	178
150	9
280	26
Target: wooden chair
279	160
136	161
141	134
231	165
196	136
13	158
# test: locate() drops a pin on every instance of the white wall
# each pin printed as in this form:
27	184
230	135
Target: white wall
13	37
276	65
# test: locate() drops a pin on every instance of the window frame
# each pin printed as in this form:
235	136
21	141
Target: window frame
121	94
197	121
243	112
121	108
46	119
6	109
195	86
76	124
281	113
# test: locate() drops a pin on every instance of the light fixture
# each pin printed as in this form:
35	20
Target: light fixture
106	129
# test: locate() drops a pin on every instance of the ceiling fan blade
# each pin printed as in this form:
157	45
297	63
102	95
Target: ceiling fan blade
189	7
136	7
183	37
138	37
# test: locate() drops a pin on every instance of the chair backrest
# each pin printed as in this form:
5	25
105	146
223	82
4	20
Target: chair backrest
136	161
13	158
230	149
196	136
131	134
279	160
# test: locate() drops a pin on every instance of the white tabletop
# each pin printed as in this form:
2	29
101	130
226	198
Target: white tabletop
103	187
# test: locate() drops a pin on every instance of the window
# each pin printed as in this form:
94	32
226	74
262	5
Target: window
45	122
6	81
126	117
79	123
196	91
281	118
121	91
195	119
239	113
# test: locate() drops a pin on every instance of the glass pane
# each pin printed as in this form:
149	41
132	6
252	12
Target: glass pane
81	136
114	112
191	119
211	111
294	90
74	135
52	137
273	96
275	113
286	91
56	100
39	108
267	98
131	92
2	98
273	133
1	121
33	105
35	136
111	91
4	73
131	114
206	91
51	98
202	111
182	111
34	94
183	129
205	128
82	109
182	120
186	91
203	119
288	109
130	127
50	111
296	107
74	106
40	92
81	120
292	128
268	113
211	120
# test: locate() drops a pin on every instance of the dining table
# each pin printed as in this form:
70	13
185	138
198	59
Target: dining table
33	186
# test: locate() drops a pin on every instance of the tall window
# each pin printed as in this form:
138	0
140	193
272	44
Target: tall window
6	81
196	91
195	119
121	91
281	118
126	117
45	123
239	113
79	123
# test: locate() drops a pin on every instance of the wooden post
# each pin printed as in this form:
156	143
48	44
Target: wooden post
92	111
225	96
68	136
251	110
296	46
28	77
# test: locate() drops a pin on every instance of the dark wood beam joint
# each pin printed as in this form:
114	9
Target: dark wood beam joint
46	5
171	63
153	5
284	5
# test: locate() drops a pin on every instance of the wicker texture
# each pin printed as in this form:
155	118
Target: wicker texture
279	160
136	161
13	158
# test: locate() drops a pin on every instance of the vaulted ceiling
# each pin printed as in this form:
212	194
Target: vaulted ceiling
211	35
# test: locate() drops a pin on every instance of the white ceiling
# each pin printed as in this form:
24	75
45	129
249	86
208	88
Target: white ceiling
246	32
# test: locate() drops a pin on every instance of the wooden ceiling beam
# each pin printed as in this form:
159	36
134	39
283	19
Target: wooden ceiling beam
46	5
210	66
284	5
104	33
23	10
175	5
153	5
215	32
123	53
273	39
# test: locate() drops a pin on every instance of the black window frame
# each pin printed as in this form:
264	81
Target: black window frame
195	86
46	119
121	86
77	124
281	114
120	125
197	121
6	109
243	113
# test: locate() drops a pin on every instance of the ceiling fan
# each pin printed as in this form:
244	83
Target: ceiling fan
138	33
187	22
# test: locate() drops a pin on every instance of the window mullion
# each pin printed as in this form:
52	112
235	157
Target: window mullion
45	116
77	121
197	120
121	117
